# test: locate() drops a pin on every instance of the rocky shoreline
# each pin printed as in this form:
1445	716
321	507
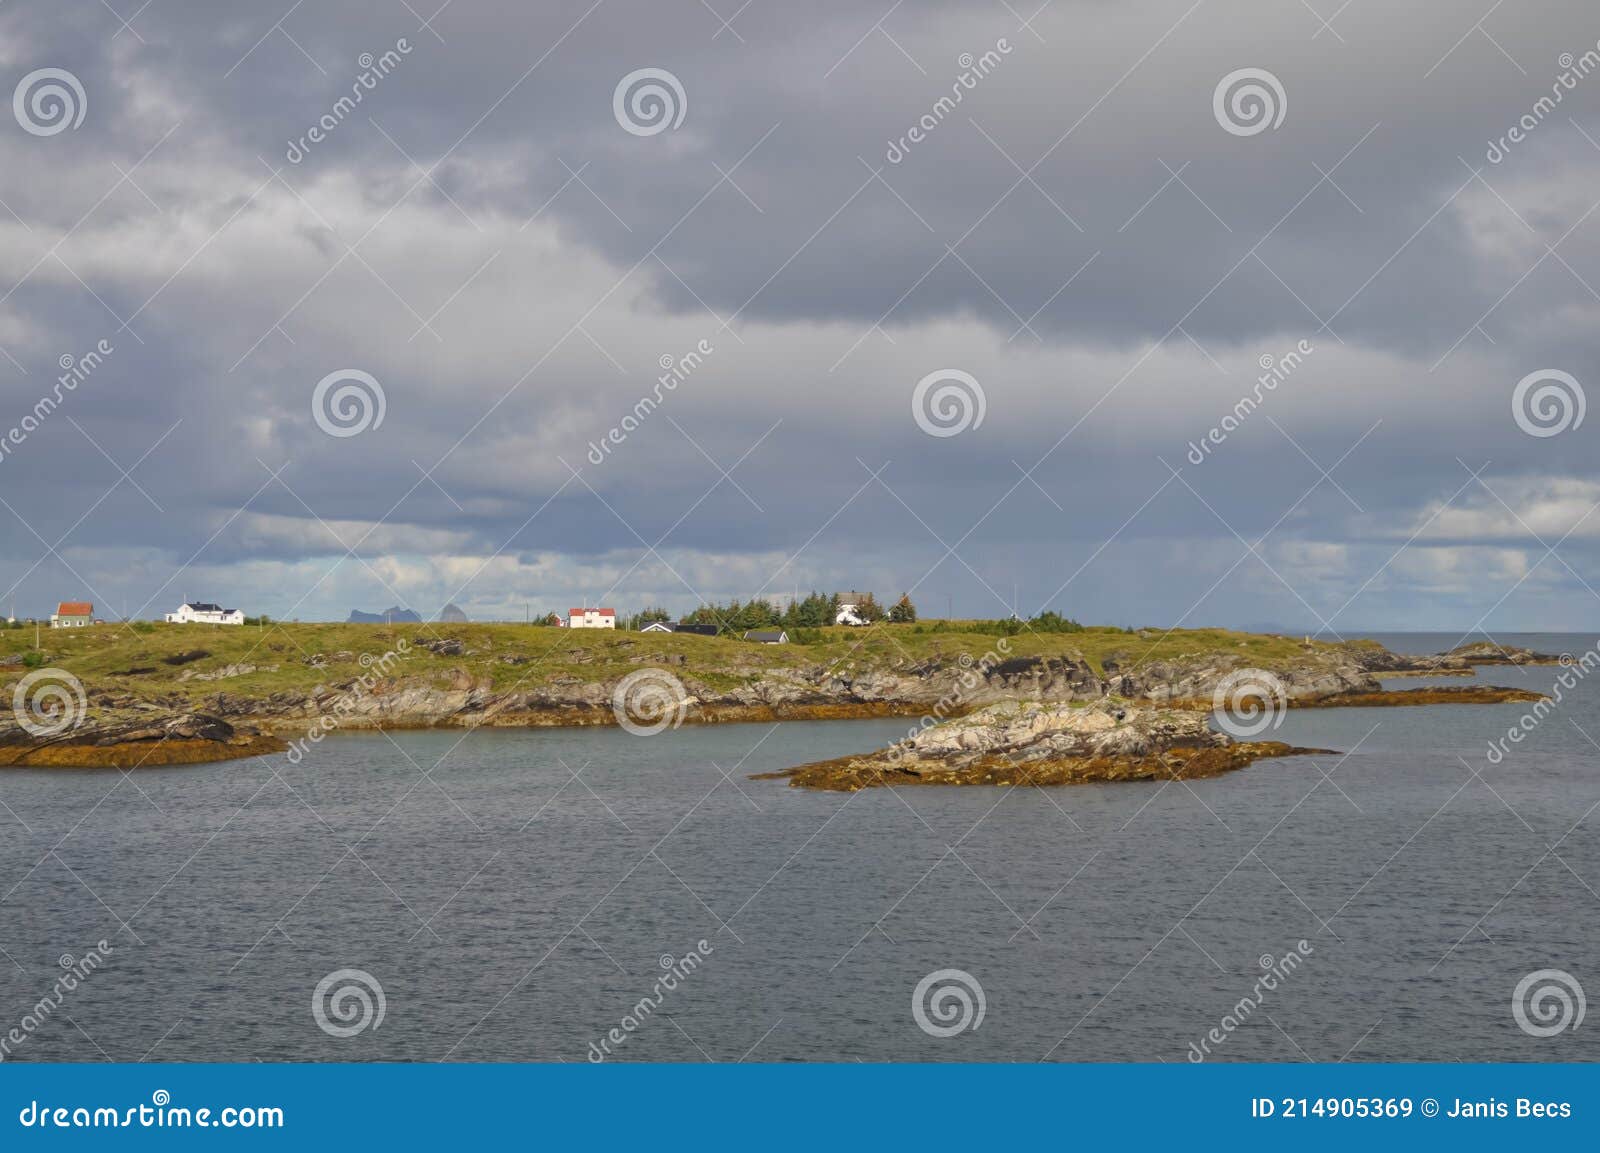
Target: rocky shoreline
189	739
120	727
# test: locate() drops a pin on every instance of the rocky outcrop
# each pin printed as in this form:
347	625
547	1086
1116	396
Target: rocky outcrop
123	742
1320	674
1447	695
1041	744
1459	661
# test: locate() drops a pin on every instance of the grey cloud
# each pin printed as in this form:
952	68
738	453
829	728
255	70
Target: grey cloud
509	387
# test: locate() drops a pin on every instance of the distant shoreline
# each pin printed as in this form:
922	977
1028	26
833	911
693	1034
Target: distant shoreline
187	694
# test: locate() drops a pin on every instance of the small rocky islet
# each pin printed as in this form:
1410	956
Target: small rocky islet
1019	743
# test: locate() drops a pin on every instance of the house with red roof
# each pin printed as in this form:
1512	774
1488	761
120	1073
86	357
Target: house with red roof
72	615
591	618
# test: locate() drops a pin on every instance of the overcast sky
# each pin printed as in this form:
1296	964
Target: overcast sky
1097	235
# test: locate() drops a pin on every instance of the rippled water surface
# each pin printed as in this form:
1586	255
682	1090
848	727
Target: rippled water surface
513	893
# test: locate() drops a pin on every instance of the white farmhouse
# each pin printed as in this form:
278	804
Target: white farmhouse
849	603
204	613
591	618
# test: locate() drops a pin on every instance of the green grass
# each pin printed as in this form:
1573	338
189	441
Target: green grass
106	656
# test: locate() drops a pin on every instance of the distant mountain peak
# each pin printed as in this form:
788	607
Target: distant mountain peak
393	614
452	614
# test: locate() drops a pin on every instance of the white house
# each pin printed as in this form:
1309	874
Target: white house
591	618
204	613
848	604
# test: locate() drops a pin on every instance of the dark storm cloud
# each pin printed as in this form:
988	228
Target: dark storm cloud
515	300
